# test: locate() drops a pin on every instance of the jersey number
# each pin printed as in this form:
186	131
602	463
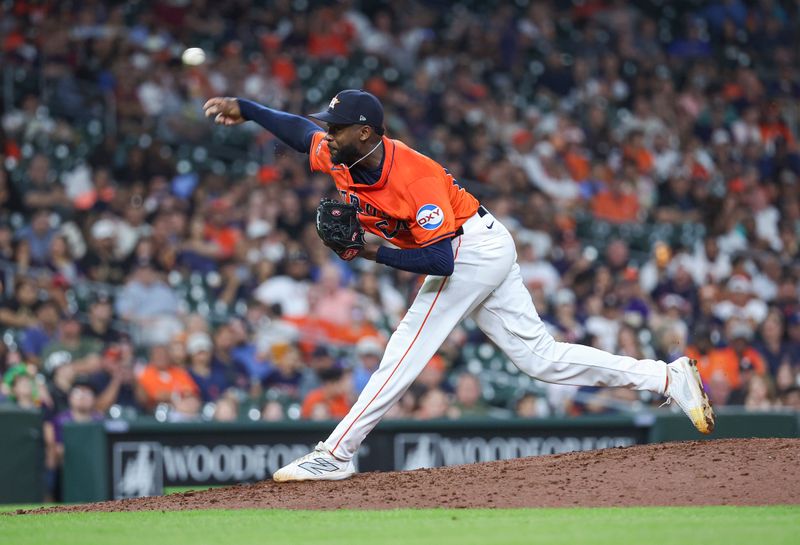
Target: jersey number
455	182
383	224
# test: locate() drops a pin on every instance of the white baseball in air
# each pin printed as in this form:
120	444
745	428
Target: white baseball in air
194	56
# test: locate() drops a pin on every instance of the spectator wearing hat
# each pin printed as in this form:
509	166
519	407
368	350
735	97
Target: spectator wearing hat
149	304
42	188
332	399
82	398
58	386
35	338
219	231
211	377
116	382
98	325
655	270
432	377
734	363
38	236
633	302
321	358
244	352
369	351
617	202
568	327
21	388
287	371
224	343
161	378
740	302
102	262
71	348
81	408
679	281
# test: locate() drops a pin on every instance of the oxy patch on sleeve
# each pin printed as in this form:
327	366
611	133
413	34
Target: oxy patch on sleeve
430	217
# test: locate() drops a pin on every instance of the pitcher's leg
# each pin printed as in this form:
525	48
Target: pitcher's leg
440	305
482	263
509	318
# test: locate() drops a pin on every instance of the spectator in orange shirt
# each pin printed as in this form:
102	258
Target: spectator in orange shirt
217	231
701	348
772	127
635	150
331	400
160	379
617	203
329	34
736	363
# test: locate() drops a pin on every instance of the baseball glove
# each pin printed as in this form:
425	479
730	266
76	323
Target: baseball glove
339	228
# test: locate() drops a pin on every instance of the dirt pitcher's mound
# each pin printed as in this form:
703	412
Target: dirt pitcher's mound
723	472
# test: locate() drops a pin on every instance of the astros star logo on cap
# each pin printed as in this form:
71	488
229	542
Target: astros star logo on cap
334	102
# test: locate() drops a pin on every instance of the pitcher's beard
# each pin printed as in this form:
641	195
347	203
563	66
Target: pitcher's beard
347	155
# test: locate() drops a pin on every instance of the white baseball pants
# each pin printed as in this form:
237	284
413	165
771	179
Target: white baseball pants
486	284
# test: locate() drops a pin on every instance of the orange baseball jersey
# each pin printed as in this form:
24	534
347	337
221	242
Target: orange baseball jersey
415	203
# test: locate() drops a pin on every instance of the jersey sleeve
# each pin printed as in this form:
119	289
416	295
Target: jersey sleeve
319	156
432	216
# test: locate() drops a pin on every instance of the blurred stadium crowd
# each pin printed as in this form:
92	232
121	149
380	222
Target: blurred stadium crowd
643	154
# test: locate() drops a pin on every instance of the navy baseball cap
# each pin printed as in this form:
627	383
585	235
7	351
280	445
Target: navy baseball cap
353	107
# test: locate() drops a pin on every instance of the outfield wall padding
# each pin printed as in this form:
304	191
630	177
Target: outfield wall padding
21	456
120	459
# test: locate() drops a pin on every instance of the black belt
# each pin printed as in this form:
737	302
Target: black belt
481	212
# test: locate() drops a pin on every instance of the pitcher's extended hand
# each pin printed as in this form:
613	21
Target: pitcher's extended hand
224	110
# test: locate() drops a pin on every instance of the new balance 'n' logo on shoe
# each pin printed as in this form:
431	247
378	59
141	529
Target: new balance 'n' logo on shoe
319	465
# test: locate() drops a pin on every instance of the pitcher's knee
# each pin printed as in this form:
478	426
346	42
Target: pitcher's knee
540	357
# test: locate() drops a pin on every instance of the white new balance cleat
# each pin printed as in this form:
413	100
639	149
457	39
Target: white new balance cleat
686	388
319	465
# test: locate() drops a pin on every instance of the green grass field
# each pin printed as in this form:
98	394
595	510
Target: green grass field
617	526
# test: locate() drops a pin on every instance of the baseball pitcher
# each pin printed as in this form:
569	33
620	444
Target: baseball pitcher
469	257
